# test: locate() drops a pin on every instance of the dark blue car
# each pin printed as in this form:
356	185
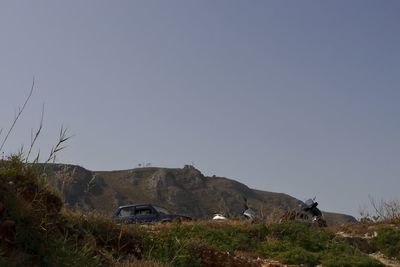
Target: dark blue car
145	213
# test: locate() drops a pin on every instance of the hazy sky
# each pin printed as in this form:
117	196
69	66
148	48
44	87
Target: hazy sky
300	97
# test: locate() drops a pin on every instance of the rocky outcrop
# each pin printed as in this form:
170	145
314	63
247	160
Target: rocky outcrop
185	191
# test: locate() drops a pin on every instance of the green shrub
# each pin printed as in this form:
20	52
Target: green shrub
171	245
388	241
40	237
229	237
344	260
298	243
66	252
341	253
302	235
298	255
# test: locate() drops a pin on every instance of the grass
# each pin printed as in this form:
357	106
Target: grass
43	233
32	222
291	243
388	241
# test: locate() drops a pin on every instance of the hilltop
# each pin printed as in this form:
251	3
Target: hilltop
181	190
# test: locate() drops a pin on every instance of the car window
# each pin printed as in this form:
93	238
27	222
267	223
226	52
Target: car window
127	211
161	210
143	210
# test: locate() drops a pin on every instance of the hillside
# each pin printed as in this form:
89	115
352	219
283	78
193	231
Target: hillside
36	230
185	191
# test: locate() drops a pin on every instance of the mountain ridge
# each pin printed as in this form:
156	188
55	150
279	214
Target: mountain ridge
182	190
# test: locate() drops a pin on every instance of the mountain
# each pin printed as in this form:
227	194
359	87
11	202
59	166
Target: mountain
181	190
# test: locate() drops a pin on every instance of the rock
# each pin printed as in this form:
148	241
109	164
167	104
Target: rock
181	190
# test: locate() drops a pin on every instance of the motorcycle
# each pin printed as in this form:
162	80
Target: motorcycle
308	212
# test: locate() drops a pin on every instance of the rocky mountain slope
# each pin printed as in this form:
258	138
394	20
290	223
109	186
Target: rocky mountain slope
185	191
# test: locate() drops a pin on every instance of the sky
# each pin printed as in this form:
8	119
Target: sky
299	97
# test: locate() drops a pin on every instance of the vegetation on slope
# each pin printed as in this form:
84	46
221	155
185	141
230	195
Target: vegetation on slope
292	243
36	230
388	241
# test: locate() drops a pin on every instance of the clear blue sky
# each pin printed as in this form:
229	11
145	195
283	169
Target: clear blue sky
300	97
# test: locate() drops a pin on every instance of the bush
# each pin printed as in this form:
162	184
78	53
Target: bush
229	237
302	235
349	261
31	218
298	255
387	211
298	243
171	245
343	254
388	241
